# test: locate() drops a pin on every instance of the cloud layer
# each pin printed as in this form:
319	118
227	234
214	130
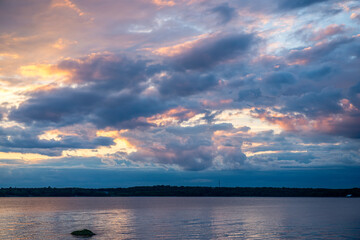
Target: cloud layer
181	85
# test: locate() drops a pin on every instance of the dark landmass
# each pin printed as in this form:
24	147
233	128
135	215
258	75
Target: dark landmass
83	233
179	191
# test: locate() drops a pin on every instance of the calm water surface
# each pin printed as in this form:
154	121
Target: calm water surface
181	218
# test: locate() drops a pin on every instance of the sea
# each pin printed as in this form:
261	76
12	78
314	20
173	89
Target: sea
180	218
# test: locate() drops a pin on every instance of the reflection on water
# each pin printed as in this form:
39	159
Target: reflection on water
181	218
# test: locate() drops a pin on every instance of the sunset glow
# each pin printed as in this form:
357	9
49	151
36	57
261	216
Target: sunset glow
184	86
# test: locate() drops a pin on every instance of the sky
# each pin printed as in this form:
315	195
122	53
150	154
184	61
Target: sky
180	92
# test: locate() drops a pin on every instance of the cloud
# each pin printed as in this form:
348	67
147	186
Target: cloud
318	73
209	52
165	79
123	111
68	4
107	93
12	12
286	158
296	4
71	106
315	104
16	139
354	94
300	149
164	3
225	13
274	83
329	31
62	106
106	72
249	94
190	148
324	51
347	126
180	84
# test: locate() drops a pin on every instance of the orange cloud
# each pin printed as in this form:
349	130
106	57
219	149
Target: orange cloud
171	3
69	4
54	134
178	48
324	124
330	30
164	2
122	145
171	116
298	62
348	106
209	103
42	70
8	55
63	43
288	123
28	158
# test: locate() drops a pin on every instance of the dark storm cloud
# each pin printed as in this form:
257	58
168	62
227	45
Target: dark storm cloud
354	94
348	126
225	12
65	142
62	106
16	139
278	79
318	94
296	4
211	51
274	83
210	116
315	104
70	106
107	71
257	92
249	94
318	73
122	111
98	76
182	84
276	6
107	95
325	52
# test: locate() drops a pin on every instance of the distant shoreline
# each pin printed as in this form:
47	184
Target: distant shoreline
179	191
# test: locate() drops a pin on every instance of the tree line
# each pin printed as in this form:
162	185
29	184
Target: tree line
163	190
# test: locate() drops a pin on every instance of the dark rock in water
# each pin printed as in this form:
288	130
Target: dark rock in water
83	233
